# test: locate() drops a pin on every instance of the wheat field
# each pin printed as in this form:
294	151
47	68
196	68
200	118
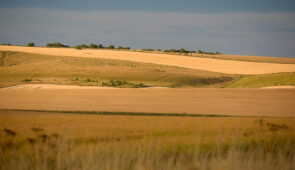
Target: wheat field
42	140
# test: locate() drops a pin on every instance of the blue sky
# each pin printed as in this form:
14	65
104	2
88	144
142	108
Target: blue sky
253	27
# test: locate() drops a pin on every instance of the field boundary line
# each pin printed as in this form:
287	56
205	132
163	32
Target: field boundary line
110	113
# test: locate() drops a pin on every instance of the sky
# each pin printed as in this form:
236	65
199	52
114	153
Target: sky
247	27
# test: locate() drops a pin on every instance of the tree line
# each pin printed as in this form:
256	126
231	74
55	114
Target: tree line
100	46
181	50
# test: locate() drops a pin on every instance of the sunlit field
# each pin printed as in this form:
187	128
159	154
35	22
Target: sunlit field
40	140
25	68
90	112
20	68
147	85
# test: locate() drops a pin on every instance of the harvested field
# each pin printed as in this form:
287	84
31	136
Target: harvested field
208	64
279	87
241	102
262	59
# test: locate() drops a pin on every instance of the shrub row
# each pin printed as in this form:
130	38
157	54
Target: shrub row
100	46
182	50
118	83
94	46
204	52
56	44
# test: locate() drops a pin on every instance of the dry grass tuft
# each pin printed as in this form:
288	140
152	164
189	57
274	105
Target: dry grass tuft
9	132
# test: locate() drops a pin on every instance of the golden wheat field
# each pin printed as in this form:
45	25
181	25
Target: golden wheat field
42	140
68	109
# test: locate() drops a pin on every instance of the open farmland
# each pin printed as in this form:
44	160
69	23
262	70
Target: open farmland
19	68
147	85
32	83
63	108
207	101
207	64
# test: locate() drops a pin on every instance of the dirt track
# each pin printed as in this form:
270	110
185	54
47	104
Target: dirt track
245	102
214	65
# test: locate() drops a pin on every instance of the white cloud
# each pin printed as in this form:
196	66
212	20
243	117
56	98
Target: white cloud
244	33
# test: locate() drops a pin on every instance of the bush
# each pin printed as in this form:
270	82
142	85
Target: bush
182	50
78	47
56	44
31	44
81	46
118	83
200	52
92	45
148	49
6	44
126	48
204	52
84	46
27	80
90	80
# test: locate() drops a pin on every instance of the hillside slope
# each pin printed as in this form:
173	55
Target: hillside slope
207	64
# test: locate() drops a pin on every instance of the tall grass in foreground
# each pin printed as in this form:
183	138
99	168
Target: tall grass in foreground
240	143
271	154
